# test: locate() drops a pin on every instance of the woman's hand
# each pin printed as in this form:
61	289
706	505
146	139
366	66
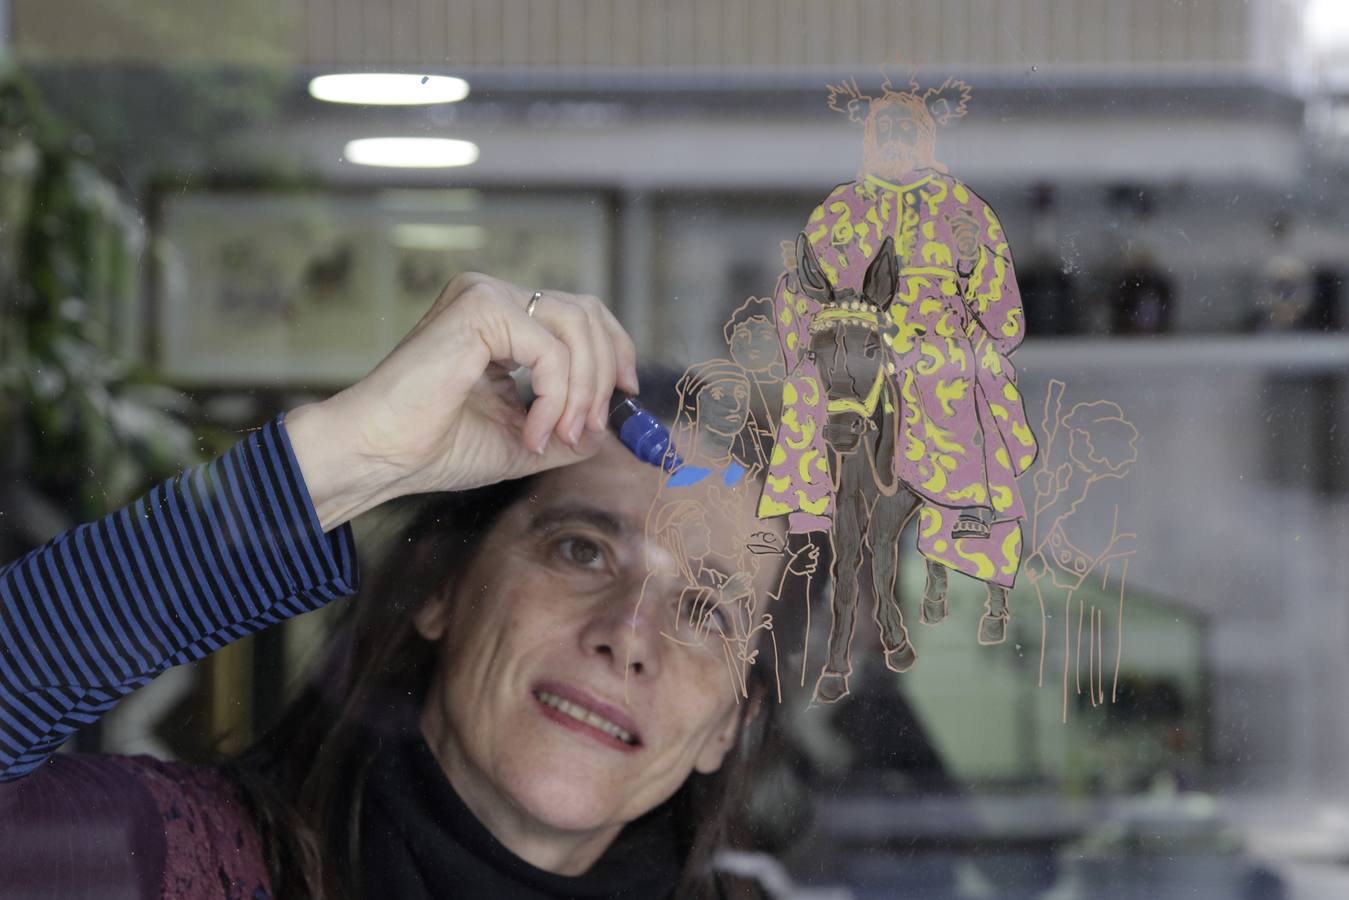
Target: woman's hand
439	413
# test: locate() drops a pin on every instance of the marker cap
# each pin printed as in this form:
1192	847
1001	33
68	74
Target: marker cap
643	434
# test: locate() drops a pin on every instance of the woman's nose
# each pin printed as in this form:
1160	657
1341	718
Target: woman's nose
625	632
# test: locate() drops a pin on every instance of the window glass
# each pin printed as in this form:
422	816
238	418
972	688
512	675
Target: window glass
1134	689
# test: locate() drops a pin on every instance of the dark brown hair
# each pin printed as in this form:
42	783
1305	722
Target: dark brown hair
304	779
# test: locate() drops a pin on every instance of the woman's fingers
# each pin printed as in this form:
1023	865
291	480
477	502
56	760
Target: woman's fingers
601	353
497	379
573	380
606	365
568	320
625	352
528	342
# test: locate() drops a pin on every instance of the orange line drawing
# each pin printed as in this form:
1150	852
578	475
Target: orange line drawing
1088	443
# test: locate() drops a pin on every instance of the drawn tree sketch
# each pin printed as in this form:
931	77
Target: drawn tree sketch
895	326
1086	444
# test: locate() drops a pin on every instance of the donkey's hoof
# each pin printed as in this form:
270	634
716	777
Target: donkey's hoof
934	591
831	687
901	658
934	611
992	629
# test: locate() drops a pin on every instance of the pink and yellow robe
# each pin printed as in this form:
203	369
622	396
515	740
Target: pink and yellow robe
955	318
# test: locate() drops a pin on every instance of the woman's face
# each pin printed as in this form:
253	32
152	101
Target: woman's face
723	406
559	704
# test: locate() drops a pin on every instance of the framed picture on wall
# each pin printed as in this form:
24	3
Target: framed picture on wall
308	288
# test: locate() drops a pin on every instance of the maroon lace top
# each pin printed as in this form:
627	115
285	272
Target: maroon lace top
97	826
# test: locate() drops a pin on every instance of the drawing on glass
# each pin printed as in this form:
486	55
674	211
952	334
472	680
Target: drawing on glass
896	325
889	335
752	340
1088	443
725	592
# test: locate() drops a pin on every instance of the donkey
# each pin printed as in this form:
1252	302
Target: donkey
862	434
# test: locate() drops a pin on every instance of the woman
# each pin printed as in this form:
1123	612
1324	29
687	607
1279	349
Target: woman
498	719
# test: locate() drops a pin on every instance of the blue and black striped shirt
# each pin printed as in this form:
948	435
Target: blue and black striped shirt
216	553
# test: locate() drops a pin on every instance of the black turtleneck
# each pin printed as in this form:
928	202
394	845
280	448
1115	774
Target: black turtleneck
419	840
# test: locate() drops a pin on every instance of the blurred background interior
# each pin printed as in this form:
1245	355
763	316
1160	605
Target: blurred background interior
190	241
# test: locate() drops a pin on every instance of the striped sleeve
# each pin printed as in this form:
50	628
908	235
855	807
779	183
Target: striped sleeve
216	553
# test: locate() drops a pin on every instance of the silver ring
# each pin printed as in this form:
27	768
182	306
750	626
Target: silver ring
533	302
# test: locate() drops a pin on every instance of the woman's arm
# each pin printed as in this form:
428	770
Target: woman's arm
210	556
259	535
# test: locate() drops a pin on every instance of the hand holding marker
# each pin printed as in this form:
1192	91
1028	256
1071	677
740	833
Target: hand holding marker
643	434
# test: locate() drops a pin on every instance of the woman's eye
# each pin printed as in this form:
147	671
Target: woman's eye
581	551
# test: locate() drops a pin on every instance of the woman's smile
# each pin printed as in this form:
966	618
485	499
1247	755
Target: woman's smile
579	711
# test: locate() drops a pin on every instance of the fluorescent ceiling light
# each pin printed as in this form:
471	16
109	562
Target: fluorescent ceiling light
424	200
1327	23
419	236
388	88
411	153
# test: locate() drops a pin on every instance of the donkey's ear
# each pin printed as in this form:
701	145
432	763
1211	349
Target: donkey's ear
878	287
808	272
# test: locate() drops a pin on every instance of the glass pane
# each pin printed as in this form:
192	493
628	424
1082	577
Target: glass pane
1002	344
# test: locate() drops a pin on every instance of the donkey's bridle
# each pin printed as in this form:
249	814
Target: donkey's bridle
865	407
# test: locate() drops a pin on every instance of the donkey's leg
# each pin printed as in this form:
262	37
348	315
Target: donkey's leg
846	537
934	594
993	623
887	521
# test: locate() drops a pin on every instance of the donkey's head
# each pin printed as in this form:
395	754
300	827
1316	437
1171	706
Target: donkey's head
845	340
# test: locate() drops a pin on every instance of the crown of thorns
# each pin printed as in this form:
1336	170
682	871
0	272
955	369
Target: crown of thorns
945	103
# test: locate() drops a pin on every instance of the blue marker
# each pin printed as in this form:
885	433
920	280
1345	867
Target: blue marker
643	434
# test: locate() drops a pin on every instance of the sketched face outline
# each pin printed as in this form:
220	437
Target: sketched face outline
900	135
722	404
754	344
